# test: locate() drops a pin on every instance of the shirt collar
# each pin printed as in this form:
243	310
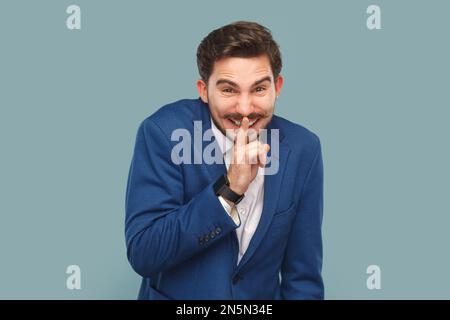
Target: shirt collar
225	144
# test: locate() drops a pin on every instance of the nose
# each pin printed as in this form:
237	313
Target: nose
244	105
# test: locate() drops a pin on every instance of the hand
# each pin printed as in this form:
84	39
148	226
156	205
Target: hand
246	159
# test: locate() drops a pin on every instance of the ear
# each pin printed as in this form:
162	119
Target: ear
279	84
202	90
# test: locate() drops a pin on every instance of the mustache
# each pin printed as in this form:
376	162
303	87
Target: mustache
251	116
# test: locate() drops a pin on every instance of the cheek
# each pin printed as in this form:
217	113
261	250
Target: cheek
223	105
265	103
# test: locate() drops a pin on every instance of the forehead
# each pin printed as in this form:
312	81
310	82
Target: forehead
242	70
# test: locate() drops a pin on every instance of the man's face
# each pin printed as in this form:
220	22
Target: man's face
241	87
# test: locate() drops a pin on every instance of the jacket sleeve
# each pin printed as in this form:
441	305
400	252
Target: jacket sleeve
160	229
302	264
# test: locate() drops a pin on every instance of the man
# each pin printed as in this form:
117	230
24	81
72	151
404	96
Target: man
228	229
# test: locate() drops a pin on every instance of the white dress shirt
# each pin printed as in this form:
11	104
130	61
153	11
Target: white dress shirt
250	208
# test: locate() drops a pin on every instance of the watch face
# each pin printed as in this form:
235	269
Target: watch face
220	185
221	188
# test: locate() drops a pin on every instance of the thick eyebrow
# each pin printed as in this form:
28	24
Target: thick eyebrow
267	78
235	85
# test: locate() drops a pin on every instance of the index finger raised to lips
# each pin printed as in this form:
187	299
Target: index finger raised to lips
241	138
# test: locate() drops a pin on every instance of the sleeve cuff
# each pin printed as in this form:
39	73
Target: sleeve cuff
232	212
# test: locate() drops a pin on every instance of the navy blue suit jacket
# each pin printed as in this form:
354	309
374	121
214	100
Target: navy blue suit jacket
171	210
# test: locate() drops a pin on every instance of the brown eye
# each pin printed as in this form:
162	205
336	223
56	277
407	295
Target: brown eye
228	90
260	89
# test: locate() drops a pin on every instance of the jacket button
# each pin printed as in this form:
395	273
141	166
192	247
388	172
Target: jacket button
218	230
206	238
236	279
212	235
200	240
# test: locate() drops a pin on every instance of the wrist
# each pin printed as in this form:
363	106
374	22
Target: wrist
235	187
222	188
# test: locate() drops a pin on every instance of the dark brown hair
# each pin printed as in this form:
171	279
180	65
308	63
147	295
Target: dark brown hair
241	39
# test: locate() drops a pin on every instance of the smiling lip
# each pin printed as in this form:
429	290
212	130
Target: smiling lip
238	123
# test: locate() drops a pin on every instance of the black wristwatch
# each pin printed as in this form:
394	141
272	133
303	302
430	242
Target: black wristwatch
222	188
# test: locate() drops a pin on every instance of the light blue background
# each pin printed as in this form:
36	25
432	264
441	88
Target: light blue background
71	102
